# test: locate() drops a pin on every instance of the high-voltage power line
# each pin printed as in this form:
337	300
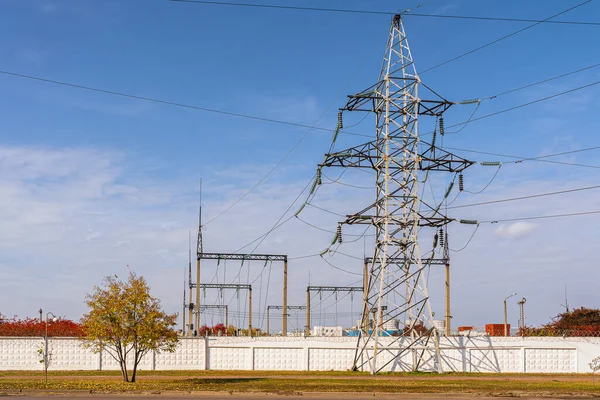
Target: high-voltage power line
396	286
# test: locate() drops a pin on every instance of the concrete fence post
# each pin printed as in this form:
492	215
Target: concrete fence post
206	353
307	356
523	355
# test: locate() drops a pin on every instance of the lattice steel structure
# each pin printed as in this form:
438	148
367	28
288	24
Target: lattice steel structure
221	286
288	308
335	289
194	307
396	286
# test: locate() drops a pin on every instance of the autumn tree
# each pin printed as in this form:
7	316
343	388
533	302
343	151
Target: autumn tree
578	322
126	322
579	318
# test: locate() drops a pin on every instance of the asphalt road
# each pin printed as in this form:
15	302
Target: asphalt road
270	396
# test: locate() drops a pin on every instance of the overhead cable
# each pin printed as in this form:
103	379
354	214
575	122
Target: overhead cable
520	159
176	104
532	196
495	221
406	13
503	37
170	103
529	103
542	81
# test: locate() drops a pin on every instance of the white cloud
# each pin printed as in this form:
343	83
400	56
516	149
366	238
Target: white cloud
516	230
72	216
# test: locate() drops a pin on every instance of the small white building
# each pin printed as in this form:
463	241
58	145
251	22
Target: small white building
332	331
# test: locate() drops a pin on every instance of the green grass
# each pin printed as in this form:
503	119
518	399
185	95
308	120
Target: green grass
260	382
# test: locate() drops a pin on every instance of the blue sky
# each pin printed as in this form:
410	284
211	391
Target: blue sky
92	182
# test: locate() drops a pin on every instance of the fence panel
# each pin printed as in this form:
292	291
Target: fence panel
551	360
330	359
69	354
189	354
495	360
279	359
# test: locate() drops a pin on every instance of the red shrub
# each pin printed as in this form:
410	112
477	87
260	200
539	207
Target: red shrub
219	328
33	327
204	330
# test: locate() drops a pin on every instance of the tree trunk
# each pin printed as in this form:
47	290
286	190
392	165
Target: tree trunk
136	360
122	362
134	372
124	370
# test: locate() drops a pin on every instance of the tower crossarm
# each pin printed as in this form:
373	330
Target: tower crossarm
426	216
334	289
361	156
213	306
437	159
221	286
366	219
242	257
403	260
366	156
371	99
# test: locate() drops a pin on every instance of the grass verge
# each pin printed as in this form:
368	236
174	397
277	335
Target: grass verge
263	384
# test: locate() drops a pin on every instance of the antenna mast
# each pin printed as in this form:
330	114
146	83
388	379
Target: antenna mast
566	305
199	243
185	305
198	257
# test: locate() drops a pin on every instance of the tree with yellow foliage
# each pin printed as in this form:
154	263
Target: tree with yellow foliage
126	322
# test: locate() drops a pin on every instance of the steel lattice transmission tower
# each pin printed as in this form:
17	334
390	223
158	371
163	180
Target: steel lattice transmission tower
395	287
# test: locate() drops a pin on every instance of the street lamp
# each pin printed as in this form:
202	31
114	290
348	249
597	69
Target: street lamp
54	319
505	326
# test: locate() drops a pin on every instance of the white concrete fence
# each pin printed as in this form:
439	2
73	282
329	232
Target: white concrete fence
460	354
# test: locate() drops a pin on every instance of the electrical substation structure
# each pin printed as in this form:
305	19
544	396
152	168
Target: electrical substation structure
289	308
195	308
445	261
206	307
396	271
221	286
321	289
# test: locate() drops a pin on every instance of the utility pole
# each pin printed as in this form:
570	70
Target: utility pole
448	316
398	212
284	308
505	315
307	326
250	312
